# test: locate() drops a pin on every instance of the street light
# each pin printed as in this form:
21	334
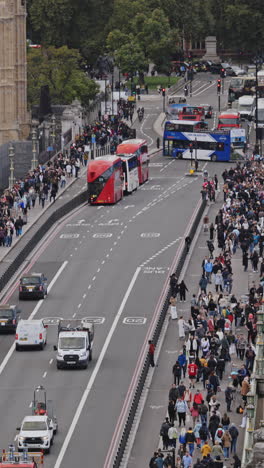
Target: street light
11	154
34	161
53	131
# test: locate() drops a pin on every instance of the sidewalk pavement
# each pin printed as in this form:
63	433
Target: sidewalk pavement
147	439
34	214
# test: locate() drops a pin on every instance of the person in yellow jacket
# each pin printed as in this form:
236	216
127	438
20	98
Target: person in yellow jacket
206	449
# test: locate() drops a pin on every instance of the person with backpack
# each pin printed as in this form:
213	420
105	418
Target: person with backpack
164	433
219	434
190	440
203	410
234	432
226	441
204	434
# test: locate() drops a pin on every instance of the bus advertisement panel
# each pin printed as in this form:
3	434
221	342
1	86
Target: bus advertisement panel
105	180
191	113
139	148
238	137
207	146
130	172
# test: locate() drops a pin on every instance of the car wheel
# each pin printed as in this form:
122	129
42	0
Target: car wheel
41	346
85	366
59	366
47	450
214	158
17	347
90	355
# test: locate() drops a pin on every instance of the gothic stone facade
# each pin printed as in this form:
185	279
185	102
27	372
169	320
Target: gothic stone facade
14	118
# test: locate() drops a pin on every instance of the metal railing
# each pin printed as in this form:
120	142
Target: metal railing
252	396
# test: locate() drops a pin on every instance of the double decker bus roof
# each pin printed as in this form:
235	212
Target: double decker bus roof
183	122
107	158
130	146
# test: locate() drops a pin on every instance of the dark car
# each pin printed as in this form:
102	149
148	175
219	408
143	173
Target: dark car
33	286
215	68
9	317
208	110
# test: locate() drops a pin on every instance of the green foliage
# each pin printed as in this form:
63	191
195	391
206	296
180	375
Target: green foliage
58	68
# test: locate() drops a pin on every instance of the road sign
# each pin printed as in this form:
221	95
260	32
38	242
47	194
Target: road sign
95	320
149	234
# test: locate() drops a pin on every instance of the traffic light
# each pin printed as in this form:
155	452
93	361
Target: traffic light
223	73
191	148
218	86
163	91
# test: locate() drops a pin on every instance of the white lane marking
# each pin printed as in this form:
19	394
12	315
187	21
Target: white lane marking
89	287
103	261
94	278
32	315
79	305
84	296
44	375
74	315
95	372
51	361
30	404
98	270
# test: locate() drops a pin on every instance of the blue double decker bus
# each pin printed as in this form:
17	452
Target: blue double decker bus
187	140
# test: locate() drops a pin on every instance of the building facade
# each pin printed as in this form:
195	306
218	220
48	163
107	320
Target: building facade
14	117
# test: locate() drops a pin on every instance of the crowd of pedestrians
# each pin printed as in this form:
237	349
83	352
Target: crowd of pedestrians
218	338
42	184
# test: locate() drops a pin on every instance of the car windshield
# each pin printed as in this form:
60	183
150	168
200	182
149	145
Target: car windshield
30	280
236	83
244	107
228	121
34	426
6	313
72	342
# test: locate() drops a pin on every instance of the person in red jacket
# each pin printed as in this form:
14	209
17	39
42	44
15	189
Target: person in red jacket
198	398
151	353
192	372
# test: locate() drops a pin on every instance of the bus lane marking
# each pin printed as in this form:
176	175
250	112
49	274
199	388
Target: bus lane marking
96	369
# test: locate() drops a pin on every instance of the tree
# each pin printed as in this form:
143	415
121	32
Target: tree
59	68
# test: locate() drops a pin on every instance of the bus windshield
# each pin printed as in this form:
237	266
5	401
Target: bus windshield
229	121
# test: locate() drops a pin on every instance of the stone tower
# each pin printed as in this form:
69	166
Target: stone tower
14	118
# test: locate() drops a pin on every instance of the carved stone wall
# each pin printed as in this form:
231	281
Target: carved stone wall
14	118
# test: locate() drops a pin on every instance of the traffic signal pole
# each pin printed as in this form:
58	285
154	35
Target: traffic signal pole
219	94
163	94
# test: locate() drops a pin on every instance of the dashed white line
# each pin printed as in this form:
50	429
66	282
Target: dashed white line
103	261
74	315
50	361
98	270
89	287
79	305
44	375
84	296
94	278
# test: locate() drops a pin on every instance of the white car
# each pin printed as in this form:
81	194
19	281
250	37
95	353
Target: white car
36	432
31	333
238	71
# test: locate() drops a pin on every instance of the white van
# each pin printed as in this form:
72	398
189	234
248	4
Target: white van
31	333
246	105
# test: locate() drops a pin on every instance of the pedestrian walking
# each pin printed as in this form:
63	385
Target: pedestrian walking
151	353
176	370
182	289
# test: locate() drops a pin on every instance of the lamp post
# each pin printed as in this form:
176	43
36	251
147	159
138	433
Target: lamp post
11	154
34	161
53	131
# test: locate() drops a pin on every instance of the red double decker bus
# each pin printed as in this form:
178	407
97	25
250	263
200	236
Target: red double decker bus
191	113
137	147
105	180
